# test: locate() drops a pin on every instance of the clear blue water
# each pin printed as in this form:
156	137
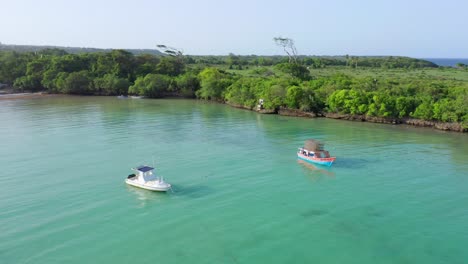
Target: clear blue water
395	195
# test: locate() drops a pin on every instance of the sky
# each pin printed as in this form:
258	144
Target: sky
414	28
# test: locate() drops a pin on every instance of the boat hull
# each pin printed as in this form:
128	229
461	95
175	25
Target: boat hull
321	161
157	188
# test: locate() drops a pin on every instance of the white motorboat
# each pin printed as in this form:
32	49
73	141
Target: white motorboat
146	179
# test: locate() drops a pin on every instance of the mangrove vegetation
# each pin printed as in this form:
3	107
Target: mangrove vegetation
387	87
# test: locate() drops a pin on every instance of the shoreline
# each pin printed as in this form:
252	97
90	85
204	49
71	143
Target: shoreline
10	96
444	126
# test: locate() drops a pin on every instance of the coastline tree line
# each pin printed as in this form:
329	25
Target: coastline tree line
280	81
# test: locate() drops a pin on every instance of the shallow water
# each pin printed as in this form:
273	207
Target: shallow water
396	194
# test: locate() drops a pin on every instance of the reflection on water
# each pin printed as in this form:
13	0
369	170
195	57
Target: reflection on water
147	196
316	169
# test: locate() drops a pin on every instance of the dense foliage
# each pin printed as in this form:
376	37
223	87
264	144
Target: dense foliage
74	50
243	80
113	73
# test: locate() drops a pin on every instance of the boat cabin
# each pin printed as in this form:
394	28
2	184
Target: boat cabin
145	178
144	174
316	154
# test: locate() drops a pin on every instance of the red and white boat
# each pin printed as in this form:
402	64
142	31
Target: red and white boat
314	152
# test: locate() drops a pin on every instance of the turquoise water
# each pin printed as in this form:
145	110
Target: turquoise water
395	195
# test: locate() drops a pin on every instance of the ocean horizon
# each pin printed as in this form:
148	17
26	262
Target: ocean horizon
448	62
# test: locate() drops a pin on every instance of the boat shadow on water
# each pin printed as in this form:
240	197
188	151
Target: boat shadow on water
194	191
351	163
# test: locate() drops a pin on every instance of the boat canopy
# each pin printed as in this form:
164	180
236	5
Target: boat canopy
313	145
144	168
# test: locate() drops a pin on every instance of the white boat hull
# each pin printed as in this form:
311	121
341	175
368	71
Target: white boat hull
151	185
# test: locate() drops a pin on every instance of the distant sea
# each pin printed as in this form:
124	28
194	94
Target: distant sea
450	62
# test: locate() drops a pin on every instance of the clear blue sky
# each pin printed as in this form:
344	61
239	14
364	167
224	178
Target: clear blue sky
413	28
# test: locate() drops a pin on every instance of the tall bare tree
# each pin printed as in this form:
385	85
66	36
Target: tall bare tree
174	63
288	46
169	50
173	52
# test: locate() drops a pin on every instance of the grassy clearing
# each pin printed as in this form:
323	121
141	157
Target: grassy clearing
377	73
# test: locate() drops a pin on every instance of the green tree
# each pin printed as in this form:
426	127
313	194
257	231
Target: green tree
274	95
336	101
13	66
294	96
123	64
145	63
152	85
170	66
59	82
245	91
75	83
34	71
424	110
49	80
295	70
233	59
111	84
213	83
310	101
188	84
27	83
404	106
